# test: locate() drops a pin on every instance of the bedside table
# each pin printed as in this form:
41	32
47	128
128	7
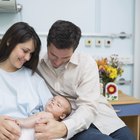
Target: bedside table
128	109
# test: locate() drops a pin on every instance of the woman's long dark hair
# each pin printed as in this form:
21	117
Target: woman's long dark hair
20	32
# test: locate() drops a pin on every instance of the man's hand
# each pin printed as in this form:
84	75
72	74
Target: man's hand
7	131
50	129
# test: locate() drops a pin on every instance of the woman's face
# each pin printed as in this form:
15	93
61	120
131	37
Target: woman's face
20	54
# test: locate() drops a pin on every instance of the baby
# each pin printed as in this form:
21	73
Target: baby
57	108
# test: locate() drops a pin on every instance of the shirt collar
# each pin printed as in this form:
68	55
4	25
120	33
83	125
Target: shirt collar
74	59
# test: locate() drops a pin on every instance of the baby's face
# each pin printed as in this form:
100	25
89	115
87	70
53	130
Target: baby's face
57	106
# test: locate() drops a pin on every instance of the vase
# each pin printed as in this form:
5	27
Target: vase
102	88
111	91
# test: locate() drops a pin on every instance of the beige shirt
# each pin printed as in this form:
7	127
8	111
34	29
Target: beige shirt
78	80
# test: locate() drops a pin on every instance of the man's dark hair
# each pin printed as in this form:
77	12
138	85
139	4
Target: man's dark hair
63	35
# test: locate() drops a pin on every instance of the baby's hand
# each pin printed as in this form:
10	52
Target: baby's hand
18	122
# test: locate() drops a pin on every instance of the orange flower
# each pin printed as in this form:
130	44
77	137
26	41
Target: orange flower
102	62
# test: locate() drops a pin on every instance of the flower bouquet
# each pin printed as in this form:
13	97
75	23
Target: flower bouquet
109	70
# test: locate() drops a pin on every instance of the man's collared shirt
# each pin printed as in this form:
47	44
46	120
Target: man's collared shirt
78	80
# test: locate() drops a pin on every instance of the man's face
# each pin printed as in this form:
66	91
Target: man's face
59	57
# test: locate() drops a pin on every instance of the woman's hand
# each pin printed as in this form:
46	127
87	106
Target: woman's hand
8	129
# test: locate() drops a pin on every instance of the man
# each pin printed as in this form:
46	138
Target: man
76	77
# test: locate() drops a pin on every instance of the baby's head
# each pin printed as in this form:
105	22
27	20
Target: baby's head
59	106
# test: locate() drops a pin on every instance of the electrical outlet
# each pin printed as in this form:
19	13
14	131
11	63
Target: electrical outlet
98	42
88	42
107	42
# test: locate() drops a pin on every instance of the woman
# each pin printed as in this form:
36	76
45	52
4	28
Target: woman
22	91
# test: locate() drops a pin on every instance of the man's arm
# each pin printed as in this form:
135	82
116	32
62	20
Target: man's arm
88	94
48	129
8	129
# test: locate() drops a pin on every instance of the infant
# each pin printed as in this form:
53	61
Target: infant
57	108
